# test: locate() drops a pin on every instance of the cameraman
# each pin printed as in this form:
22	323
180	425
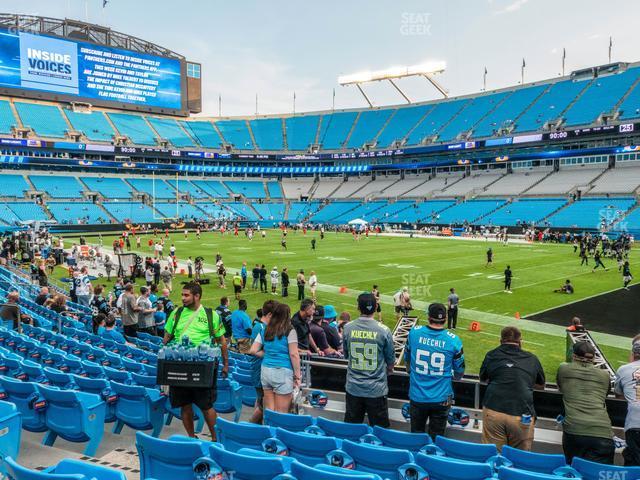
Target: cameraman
200	324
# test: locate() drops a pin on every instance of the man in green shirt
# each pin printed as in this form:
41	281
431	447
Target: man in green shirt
586	427
193	321
237	285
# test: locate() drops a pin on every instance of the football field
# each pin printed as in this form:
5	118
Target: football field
428	267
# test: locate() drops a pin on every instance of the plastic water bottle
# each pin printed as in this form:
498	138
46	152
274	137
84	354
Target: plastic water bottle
161	353
203	352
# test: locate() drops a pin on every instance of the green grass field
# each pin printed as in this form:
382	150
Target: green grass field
429	267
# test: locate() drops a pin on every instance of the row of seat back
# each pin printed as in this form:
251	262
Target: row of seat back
67	469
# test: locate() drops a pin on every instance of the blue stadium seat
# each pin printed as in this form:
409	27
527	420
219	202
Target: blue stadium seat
203	133
168	459
108	187
139	408
45	120
169	129
7	120
401	123
29	402
597	471
93	125
60	379
248	390
119	376
374	459
517	474
93	369
367	127
102	388
144	380
236	133
345	431
440	115
301	131
134	127
10	426
306	448
245	467
473	452
267	133
229	397
533	462
403	440
67	469
74	416
234	436
287	421
334	129
445	468
326	472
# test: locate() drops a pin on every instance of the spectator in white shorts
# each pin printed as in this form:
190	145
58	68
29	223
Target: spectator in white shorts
278	347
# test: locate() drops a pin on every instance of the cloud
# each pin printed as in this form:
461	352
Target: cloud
512	7
595	36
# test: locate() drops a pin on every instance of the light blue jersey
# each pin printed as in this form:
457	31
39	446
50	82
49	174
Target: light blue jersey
434	356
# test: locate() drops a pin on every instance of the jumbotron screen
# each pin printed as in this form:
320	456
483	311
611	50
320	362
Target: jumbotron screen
93	73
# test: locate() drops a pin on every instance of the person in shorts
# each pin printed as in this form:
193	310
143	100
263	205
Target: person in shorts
200	324
278	347
259	324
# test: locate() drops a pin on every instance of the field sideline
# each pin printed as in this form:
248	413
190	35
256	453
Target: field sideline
429	267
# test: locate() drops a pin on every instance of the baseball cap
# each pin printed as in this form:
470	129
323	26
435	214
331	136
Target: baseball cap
584	350
330	312
367	303
437	312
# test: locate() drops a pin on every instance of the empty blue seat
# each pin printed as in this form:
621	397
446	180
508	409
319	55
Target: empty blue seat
132	366
379	460
167	459
144	380
597	471
92	369
119	376
101	387
445	468
473	452
534	462
139	408
67	469
35	373
245	467
10	426
403	440
229	398
60	379
26	397
304	472
347	431
306	448
75	416
517	474
235	436
11	366
287	421
248	390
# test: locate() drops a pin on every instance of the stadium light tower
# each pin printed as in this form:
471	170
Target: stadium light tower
427	70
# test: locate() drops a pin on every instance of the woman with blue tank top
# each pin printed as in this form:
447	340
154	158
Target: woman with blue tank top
278	347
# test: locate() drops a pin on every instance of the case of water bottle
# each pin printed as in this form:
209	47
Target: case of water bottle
184	365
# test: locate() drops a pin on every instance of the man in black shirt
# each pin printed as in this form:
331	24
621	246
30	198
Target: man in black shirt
263	279
507	279
255	276
300	321
285	282
512	374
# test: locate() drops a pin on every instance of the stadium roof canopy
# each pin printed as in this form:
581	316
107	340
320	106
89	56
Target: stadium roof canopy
82	31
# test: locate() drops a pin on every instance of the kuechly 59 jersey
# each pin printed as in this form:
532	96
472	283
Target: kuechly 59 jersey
434	357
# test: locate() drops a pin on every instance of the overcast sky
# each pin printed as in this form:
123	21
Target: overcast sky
275	47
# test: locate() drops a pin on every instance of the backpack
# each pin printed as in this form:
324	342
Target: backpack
176	320
225	318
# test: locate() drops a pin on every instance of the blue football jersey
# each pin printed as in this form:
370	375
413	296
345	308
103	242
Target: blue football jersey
434	357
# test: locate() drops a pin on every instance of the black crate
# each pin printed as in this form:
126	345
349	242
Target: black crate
186	374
